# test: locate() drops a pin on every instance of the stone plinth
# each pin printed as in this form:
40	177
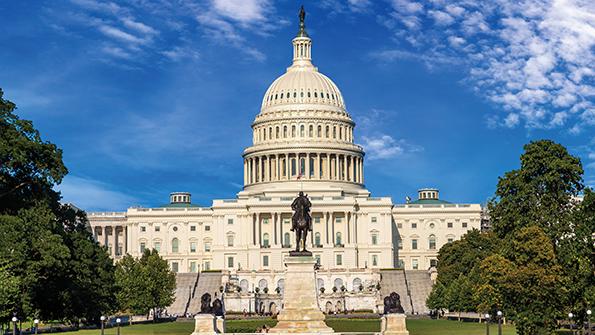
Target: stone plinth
301	313
393	324
205	324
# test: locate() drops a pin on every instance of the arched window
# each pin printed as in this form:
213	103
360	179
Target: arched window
277	132
244	285
301	94
356	283
319	283
175	245
311	131
315	94
295	94
292	131
230	240
286	240
317	239
335	132
340	133
374	238
327	132
270	133
338	283
281	285
302	132
265	239
262	284
308	94
264	134
284	131
319	131
338	239
432	242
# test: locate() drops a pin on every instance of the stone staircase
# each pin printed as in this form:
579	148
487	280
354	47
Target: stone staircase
394	281
420	286
185	286
208	282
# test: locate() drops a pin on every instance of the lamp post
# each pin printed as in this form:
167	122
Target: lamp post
102	318
589	320
487	316
36	323
14	325
118	320
499	313
570	316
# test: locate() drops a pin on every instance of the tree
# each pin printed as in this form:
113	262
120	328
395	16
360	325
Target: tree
145	284
9	291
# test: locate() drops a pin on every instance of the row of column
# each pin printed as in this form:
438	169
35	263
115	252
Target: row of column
317	166
335	132
327	228
115	250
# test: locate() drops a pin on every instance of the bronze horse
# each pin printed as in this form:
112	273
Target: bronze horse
301	221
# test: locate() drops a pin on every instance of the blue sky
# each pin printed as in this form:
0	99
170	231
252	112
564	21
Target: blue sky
148	97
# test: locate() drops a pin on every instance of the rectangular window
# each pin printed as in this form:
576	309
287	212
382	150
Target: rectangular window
450	239
192	246
142	247
265	221
414	244
338	220
374	219
207	246
317	219
414	225
400	244
399	225
374	239
449	225
192	228
400	263
174	267
142	229
414	264
265	261
157	246
374	260
192	266
206	266
464	224
317	257
157	228
339	260
229	221
432	244
207	228
230	241
293	169
230	262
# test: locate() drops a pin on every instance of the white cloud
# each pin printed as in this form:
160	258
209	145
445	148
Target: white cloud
382	146
533	58
138	26
90	194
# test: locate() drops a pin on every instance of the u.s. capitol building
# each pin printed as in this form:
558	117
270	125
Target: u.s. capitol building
303	140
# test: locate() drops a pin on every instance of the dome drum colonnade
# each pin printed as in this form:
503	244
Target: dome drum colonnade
303	131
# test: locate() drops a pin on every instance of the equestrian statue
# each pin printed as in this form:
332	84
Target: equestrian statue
301	223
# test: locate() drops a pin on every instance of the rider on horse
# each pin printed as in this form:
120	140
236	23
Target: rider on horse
301	220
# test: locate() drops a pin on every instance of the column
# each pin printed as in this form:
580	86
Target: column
258	224
104	235
328	167
277	167
275	220
115	241
350	166
326	219
252	171
345	167
287	167
361	168
253	230
333	228
317	166
337	174
266	168
245	172
125	239
281	228
307	166
348	227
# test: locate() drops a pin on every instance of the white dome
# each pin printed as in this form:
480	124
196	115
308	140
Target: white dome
303	85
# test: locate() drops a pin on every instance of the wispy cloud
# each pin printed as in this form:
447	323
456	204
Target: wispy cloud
384	146
533	58
89	194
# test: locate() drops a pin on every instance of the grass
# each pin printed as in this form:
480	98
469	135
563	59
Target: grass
415	327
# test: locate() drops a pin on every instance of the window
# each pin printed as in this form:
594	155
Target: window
230	240
319	133
432	225
292	131
317	239
339	259
302	132
414	264
414	244
400	244
318	261
192	266
327	132
157	228
413	225
174	267
311	131
175	245
464	224
230	262
207	265
284	131
286	240
265	221
317	219
335	132
175	228
157	246
142	230
374	238
399	225
374	219
142	247
449	225
374	260
229	221
192	228
400	263
338	240
338	220
450	239
265	239
207	246
432	242
192	246
293	168
207	228
265	261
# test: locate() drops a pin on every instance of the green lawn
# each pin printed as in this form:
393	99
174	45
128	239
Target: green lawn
415	327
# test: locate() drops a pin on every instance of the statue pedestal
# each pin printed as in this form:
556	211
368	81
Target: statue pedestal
393	324
300	313
206	324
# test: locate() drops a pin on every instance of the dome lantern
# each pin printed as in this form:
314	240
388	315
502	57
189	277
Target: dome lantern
302	44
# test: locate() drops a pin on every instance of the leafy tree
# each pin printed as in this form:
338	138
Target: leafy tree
9	291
